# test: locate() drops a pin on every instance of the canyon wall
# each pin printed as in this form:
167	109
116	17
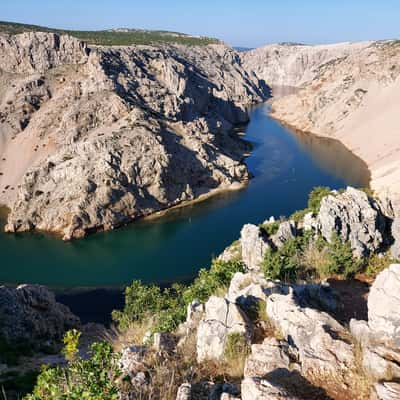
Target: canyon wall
92	138
347	91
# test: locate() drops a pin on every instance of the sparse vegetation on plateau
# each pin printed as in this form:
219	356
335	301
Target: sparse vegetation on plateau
124	37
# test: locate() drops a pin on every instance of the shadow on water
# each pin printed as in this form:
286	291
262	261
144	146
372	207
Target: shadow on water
286	165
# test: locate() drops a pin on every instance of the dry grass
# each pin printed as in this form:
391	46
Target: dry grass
133	335
315	260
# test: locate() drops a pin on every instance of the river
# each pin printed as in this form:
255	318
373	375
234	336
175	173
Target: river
286	165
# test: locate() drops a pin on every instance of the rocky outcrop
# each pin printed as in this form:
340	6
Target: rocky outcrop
114	134
315	337
222	319
384	303
30	314
380	336
354	217
253	246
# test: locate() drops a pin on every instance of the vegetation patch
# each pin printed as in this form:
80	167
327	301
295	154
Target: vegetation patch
122	37
167	308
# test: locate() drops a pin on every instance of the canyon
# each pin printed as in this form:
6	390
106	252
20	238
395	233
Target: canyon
347	91
92	138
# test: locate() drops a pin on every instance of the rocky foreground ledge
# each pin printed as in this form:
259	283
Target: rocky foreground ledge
110	134
239	333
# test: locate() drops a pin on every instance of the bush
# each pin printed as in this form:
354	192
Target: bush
377	263
340	258
284	263
91	379
167	308
271	228
315	197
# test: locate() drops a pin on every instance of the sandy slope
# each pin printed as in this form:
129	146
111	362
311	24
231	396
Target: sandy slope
355	99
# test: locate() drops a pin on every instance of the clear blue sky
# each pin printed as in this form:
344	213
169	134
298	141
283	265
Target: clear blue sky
248	23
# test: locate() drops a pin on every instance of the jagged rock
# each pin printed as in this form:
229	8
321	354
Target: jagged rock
232	252
380	336
112	134
354	217
384	303
133	366
38	51
388	390
293	65
309	222
266	357
30	313
253	245
184	392
287	230
245	287
315	337
222	319
395	229
262	389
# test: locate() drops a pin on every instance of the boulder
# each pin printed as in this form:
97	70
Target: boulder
266	357
384	303
314	337
287	230
395	229
254	246
380	336
222	319
262	389
355	218
30	313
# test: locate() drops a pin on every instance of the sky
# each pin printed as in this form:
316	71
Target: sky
247	23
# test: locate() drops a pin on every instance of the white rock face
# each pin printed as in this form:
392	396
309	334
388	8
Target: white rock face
384	303
294	65
253	246
315	335
113	134
262	389
355	218
222	318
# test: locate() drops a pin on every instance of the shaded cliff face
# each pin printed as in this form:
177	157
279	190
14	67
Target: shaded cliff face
91	138
347	91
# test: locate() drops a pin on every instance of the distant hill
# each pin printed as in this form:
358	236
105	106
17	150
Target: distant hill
113	37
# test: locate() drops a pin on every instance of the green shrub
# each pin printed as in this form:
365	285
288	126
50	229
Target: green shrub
284	263
315	197
377	263
271	228
340	258
90	379
167	308
298	216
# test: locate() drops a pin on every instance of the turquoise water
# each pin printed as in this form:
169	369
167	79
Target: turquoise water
286	166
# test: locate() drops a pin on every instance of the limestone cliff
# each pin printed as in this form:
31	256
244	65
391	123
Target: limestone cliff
92	138
347	91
